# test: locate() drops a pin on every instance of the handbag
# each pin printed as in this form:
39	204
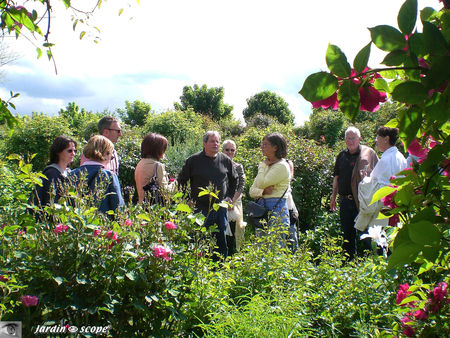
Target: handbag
151	189
257	214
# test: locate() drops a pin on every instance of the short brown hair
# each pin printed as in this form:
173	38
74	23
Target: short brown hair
153	146
59	144
105	123
97	148
391	132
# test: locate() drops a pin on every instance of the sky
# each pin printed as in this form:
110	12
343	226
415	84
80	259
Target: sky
155	48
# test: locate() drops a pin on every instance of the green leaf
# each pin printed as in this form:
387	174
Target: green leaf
423	233
382	192
427	266
203	193
416	44
387	38
82	34
380	84
58	280
39	52
409	123
407	16
337	61
120	11
434	40
410	92
66	3
403	254
404	195
409	299
395	58
362	58
183	207
319	86
131	275
144	217
349	101
427	14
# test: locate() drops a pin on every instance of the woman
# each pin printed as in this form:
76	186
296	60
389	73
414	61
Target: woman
153	147
235	215
62	152
272	181
98	152
391	161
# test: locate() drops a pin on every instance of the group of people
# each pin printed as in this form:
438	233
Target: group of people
355	168
217	170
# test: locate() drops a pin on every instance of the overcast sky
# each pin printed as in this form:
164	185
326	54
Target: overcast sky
155	48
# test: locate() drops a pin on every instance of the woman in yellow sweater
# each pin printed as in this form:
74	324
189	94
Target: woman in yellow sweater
272	181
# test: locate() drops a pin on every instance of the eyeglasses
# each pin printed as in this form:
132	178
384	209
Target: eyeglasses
229	149
70	151
118	130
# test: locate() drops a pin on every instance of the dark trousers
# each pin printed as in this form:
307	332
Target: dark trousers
348	213
220	218
231	240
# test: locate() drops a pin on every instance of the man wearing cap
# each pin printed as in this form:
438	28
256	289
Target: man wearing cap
350	166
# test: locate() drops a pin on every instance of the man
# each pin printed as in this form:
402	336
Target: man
109	127
349	169
211	167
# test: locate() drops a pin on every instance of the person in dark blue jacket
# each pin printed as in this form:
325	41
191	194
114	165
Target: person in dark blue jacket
62	152
98	152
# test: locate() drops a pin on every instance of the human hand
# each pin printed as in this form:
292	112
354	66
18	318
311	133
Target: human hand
268	190
333	204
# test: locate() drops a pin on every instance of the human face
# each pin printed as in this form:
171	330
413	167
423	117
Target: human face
229	149
268	149
352	142
382	143
66	156
113	132
212	145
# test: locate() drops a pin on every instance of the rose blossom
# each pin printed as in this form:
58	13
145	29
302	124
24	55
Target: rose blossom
170	225
112	234
409	331
402	293
128	222
29	300
160	251
420	315
60	228
440	291
96	232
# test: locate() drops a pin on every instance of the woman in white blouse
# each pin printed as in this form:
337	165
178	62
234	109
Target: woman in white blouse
392	161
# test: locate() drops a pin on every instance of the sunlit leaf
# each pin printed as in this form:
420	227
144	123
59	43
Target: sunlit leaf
349	101
423	233
387	38
362	58
407	16
319	86
337	61
183	207
410	92
382	192
395	58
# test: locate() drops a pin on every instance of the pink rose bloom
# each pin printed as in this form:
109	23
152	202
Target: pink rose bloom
29	300
60	228
420	315
402	293
161	251
389	200
440	291
128	223
141	258
330	102
171	179
170	225
96	232
394	220
112	234
370	98
409	331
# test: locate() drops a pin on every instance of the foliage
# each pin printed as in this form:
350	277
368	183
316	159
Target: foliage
261	121
135	113
205	101
271	104
417	76
78	120
34	135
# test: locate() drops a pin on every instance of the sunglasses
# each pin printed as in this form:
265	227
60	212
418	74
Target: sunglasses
70	151
117	130
229	149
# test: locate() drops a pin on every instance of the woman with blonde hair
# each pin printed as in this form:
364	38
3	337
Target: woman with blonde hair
98	152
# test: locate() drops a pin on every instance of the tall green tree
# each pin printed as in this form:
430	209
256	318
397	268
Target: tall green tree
135	113
77	119
271	104
205	101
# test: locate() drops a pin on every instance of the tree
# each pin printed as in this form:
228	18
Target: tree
77	119
324	126
268	103
205	101
135	113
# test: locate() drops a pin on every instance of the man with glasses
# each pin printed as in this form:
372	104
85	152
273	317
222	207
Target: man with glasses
109	127
349	169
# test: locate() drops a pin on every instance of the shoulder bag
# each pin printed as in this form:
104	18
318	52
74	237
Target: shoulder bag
151	189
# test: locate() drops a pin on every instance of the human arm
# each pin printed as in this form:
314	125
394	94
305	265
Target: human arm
334	194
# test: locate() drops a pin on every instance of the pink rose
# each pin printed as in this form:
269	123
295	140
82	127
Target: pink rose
171	179
161	251
420	315
128	223
141	258
170	225
96	232
389	200
29	300
60	228
112	234
402	293
440	291
409	331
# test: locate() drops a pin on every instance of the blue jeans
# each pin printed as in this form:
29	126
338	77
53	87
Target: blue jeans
348	213
284	224
220	218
